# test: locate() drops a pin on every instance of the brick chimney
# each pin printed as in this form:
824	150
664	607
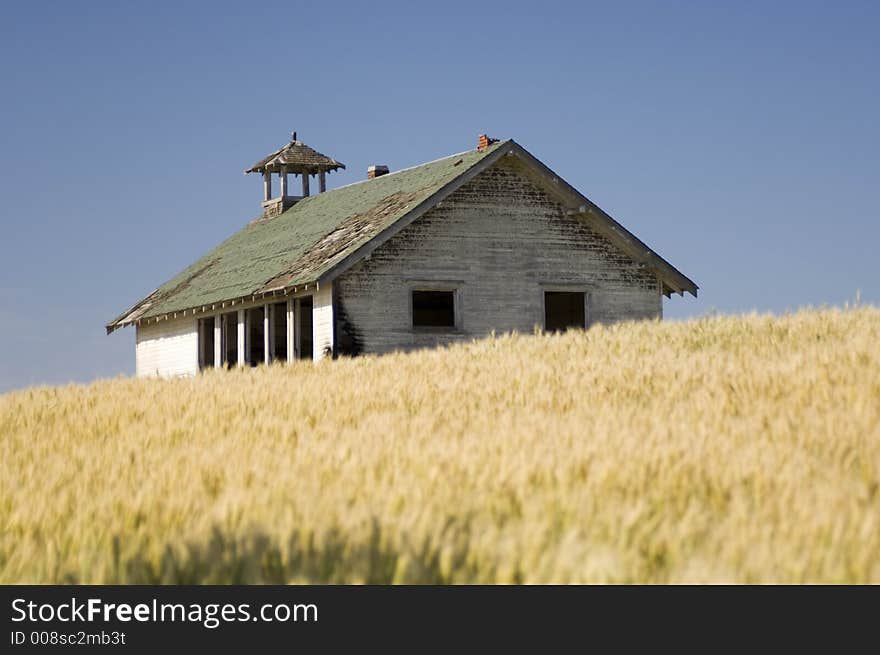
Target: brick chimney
484	142
376	171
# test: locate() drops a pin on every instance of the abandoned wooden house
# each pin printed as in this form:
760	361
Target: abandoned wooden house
489	239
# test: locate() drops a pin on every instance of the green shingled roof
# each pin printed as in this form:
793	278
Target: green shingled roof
302	244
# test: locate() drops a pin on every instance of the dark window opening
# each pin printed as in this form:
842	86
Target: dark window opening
206	343
306	347
229	339
433	308
254	340
278	332
563	310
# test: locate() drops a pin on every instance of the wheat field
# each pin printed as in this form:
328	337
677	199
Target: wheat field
728	449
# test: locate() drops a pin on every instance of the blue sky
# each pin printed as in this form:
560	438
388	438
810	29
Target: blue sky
739	140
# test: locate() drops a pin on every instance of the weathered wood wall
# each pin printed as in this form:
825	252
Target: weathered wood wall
322	321
500	240
168	348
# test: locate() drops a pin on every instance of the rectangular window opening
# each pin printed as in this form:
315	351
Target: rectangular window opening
229	339
206	343
254	338
564	310
433	309
306	348
278	343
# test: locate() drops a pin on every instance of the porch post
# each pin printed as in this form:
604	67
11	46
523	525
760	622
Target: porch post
266	343
291	334
241	334
218	341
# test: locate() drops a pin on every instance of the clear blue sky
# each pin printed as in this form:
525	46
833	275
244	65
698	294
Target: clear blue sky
740	140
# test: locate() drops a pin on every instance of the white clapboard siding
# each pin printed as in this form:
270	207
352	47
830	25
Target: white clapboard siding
168	348
322	321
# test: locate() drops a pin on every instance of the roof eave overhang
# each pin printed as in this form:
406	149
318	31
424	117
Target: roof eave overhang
294	168
129	318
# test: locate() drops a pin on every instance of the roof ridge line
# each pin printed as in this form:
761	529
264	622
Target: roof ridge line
409	168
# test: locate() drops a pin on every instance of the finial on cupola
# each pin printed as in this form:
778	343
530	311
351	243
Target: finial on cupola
296	158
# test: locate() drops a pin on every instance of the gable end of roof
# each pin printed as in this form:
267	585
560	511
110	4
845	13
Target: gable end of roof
578	204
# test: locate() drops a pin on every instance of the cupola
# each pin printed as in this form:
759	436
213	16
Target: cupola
295	158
